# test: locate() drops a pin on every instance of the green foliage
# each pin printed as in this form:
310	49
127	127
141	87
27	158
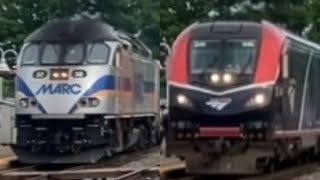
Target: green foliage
18	18
163	85
8	87
294	15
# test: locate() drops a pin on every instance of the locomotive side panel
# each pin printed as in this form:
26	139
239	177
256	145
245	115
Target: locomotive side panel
150	87
298	57
138	93
144	86
301	90
310	107
125	78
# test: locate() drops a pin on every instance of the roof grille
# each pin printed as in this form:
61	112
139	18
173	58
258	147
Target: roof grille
226	27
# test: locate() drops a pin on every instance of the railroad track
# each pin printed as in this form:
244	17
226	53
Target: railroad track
140	173
292	173
288	174
133	166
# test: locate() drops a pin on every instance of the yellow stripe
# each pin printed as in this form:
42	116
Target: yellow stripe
104	93
5	162
164	170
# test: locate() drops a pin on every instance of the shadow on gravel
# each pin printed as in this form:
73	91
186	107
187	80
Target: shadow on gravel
182	175
218	177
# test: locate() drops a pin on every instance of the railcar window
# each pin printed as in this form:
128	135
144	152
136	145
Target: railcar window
74	54
98	53
240	56
30	55
50	54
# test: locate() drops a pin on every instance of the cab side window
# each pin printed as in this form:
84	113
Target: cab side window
116	59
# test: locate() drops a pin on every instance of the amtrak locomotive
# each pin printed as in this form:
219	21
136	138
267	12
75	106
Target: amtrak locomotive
83	91
243	97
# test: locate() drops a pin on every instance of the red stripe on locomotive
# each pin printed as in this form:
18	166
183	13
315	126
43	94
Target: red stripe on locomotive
220	132
268	64
177	69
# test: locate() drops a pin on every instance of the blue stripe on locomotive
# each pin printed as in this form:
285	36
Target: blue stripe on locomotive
107	82
23	87
148	86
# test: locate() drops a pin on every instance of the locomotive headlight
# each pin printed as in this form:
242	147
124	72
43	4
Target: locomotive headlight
64	75
55	75
260	99
24	102
182	99
215	78
227	78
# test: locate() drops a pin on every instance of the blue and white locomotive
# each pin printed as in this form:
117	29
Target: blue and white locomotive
83	91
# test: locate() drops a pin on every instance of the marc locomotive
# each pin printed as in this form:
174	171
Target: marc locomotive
243	96
83	91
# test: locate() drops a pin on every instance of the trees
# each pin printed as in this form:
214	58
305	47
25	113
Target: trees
295	15
18	18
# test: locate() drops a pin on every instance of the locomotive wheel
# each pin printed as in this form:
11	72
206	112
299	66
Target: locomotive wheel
75	149
143	138
300	161
305	157
155	137
270	166
34	148
154	134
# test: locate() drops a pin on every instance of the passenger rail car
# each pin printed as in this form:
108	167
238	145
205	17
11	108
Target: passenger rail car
242	97
83	91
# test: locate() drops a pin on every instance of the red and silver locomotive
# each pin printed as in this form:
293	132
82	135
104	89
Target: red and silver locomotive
242	96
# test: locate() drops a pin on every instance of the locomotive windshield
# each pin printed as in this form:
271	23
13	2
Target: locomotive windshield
65	54
211	59
230	55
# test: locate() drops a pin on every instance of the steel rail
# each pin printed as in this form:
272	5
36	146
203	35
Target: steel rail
113	173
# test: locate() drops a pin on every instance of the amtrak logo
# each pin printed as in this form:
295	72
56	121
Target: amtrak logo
218	103
59	89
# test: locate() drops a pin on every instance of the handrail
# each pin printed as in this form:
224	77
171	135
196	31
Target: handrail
6	102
